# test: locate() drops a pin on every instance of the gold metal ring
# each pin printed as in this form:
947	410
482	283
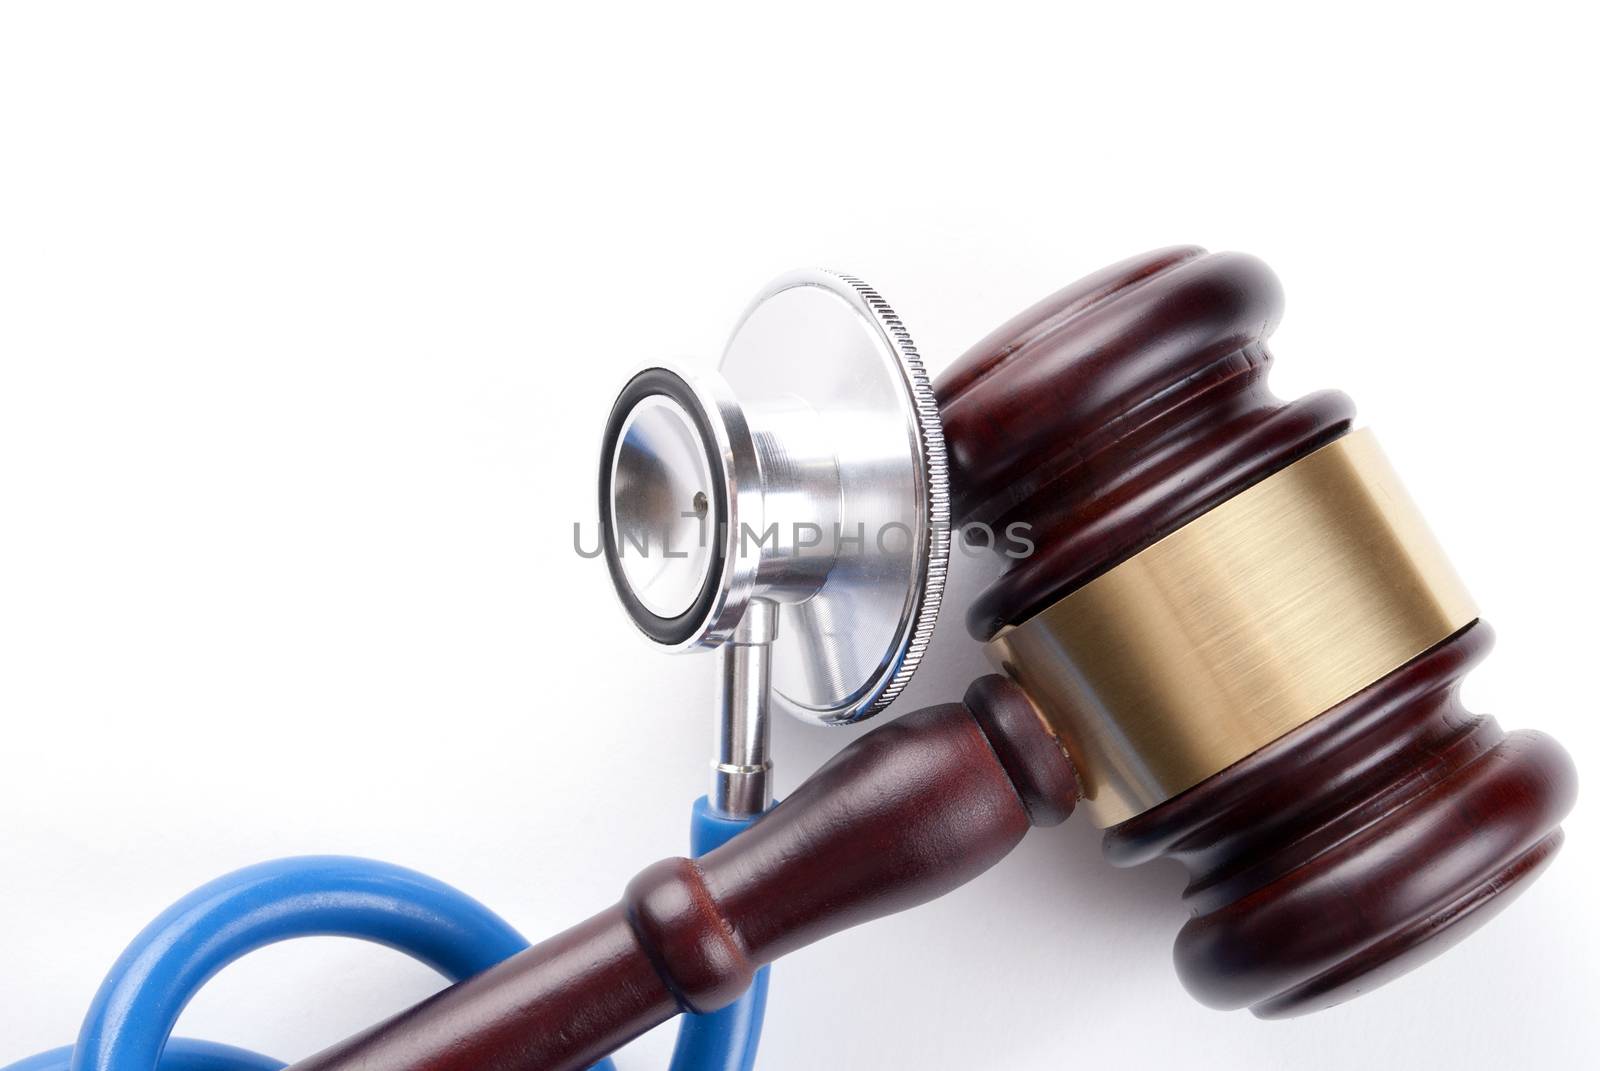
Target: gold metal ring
1245	623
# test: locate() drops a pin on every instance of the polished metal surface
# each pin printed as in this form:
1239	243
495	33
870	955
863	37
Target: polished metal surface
808	471
1244	624
741	781
852	454
661	505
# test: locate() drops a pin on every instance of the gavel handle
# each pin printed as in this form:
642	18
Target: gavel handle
904	814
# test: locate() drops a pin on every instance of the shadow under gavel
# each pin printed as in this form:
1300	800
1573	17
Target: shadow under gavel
1232	622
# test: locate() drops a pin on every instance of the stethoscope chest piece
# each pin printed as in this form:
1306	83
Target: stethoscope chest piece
795	500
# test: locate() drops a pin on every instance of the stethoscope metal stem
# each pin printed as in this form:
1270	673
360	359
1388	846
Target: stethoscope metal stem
741	784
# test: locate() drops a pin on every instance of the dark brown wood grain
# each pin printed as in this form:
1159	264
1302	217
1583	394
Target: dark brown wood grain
1347	851
903	815
1364	842
1358	845
1117	410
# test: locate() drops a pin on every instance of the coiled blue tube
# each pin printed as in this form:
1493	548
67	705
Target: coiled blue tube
130	1021
726	1039
131	1017
182	1054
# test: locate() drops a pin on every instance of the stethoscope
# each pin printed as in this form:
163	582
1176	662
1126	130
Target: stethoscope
789	510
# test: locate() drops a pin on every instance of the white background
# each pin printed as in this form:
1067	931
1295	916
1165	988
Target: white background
310	315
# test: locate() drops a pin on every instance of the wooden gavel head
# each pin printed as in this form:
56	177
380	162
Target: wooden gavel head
1231	641
1226	608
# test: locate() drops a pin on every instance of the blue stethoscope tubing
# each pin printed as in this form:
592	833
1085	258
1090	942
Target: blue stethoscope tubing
723	1040
129	1023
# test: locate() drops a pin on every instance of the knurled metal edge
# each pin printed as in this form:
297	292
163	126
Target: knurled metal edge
936	486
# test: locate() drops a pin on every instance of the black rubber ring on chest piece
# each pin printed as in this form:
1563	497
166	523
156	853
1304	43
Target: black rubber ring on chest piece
660	382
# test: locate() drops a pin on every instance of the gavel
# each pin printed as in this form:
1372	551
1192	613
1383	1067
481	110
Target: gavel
1234	643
